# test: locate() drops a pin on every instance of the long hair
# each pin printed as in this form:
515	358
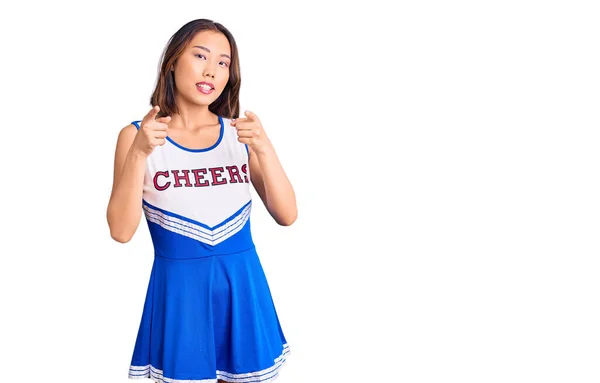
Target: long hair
228	104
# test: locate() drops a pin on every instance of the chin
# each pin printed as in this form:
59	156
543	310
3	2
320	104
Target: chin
207	99
202	100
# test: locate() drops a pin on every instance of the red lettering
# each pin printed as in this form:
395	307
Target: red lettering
198	176
156	185
233	173
245	171
218	177
215	181
184	177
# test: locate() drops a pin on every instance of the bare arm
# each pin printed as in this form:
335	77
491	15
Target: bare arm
133	148
267	174
125	205
273	186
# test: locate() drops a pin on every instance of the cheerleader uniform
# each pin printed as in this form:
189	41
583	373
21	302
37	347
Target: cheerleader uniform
208	312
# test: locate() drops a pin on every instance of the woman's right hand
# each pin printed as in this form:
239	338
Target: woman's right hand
152	133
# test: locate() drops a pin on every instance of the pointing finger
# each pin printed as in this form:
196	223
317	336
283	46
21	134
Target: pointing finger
234	122
245	125
152	113
251	115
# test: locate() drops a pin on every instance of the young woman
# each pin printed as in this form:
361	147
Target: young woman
188	165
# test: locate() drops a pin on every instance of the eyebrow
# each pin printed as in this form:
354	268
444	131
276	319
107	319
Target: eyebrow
208	50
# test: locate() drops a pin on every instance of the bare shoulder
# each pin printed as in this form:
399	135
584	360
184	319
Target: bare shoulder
126	135
128	131
124	142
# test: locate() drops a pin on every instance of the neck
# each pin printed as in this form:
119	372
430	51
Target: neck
192	116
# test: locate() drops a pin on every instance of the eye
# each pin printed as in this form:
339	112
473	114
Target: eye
200	56
223	63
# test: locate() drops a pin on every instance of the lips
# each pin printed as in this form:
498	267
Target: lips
205	87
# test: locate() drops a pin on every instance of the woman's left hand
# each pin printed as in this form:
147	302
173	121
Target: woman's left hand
251	132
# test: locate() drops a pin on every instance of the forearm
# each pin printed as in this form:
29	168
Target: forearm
279	193
125	206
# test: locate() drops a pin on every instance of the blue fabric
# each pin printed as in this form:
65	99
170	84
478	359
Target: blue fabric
207	318
170	244
208	312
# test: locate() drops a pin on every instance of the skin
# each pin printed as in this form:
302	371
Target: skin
194	127
206	58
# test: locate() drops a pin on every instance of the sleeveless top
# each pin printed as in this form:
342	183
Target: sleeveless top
197	202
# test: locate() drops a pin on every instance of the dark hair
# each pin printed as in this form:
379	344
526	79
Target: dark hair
228	104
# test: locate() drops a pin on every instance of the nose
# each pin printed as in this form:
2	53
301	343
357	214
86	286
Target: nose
209	72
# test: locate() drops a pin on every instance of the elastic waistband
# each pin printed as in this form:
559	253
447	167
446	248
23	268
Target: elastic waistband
195	255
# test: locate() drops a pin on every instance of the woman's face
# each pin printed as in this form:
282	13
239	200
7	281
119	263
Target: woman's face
202	70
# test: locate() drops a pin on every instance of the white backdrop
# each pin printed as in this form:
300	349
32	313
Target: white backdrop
444	155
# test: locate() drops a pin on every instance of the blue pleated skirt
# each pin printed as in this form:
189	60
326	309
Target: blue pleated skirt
209	318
